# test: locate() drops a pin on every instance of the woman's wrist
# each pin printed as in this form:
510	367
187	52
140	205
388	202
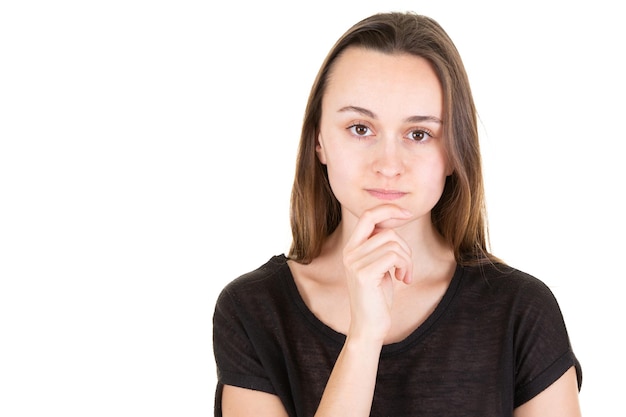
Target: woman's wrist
363	345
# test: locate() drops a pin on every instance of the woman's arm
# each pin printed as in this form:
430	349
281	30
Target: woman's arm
558	400
350	388
242	402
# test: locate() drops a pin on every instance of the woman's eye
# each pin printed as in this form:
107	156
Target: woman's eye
360	130
419	135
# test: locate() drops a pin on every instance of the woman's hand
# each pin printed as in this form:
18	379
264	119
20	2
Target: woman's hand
373	257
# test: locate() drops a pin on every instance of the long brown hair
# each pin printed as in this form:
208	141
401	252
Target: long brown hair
460	213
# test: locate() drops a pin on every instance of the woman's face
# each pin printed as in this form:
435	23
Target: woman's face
380	133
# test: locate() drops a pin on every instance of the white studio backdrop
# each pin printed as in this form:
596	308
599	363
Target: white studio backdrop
146	157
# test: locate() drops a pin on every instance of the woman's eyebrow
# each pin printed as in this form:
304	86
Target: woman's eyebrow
420	119
371	114
360	110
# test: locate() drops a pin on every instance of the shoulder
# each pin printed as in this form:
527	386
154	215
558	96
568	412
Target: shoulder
503	280
256	280
246	323
524	302
255	290
510	291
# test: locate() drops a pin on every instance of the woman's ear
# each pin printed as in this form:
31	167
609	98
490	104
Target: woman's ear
319	150
449	169
449	165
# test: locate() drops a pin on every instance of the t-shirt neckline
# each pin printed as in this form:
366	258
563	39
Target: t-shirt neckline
339	338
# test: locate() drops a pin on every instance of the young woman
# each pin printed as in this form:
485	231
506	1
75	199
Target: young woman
389	303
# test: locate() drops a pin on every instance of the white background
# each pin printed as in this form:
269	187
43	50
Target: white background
146	156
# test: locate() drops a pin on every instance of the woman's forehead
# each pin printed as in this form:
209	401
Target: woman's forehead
383	83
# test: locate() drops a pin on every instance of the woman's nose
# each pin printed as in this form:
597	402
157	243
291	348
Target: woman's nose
388	158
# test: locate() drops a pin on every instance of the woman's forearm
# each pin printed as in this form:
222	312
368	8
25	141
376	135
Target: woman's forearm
350	388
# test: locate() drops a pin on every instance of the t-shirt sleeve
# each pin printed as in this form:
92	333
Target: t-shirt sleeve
542	348
237	361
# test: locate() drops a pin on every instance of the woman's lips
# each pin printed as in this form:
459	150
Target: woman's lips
382	194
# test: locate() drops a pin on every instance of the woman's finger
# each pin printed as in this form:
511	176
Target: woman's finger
369	219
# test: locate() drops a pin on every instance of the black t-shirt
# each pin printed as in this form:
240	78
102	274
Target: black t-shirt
495	340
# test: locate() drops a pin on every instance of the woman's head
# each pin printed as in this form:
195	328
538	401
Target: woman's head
459	214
